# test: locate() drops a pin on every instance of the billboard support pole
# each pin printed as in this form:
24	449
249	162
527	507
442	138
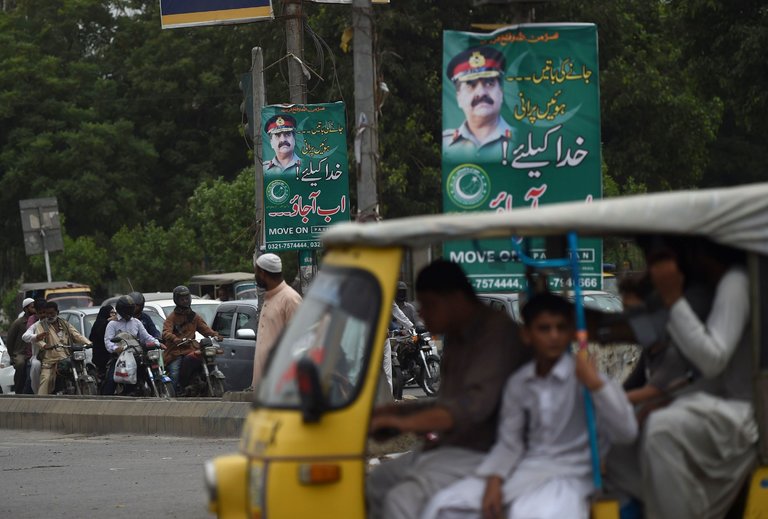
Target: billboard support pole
258	99
297	88
366	137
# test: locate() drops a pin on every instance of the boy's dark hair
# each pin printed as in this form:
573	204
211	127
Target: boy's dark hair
444	277
51	304
546	302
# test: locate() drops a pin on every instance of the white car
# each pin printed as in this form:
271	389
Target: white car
6	369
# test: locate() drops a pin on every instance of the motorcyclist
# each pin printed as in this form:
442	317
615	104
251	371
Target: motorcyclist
141	315
126	322
179	335
51	333
407	308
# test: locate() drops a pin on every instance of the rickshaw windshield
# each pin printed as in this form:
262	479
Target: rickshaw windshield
333	327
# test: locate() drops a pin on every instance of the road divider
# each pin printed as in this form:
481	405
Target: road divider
105	415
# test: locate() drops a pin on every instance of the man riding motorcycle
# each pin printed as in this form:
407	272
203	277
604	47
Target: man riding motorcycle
125	308
179	335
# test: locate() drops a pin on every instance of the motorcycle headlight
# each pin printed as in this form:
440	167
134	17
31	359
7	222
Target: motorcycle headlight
210	351
78	355
153	354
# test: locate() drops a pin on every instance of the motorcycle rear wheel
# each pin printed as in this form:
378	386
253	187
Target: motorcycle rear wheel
431	385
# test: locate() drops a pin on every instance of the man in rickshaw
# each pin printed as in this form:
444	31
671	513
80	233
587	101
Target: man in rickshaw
694	455
481	349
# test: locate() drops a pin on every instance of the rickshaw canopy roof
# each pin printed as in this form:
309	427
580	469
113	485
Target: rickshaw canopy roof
735	216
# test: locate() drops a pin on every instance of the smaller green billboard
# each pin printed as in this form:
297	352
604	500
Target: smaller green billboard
306	177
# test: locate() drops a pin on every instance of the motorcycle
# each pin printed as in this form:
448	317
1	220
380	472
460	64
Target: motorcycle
75	375
151	377
417	360
205	378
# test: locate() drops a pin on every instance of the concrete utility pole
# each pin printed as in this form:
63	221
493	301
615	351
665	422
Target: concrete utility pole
366	121
297	88
294	37
258	100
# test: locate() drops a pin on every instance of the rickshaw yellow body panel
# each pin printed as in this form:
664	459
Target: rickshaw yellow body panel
757	501
281	449
231	491
608	509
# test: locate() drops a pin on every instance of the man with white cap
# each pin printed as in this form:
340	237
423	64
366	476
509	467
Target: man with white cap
20	351
280	303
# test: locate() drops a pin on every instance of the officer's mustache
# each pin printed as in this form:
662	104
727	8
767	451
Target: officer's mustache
482	99
283	143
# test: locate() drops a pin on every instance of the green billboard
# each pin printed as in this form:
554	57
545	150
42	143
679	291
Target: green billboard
521	128
306	178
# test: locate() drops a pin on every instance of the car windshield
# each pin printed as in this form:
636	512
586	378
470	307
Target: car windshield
206	310
333	328
88	321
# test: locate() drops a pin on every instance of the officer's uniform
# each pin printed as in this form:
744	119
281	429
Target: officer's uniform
275	166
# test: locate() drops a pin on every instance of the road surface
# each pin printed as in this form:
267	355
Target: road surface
119	476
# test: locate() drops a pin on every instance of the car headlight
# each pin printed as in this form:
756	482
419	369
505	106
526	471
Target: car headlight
153	354
78	355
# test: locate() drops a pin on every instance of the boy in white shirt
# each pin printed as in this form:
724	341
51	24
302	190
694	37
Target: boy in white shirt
540	466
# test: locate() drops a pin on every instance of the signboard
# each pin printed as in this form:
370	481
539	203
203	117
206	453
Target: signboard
41	226
306	177
194	13
521	128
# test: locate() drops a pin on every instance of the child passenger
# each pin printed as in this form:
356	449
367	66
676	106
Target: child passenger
540	465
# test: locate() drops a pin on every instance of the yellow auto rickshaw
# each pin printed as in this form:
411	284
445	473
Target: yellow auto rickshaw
304	445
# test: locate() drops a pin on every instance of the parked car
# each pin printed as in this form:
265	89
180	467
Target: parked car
236	321
83	318
593	299
162	303
6	369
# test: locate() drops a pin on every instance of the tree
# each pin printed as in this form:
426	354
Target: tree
149	258
222	215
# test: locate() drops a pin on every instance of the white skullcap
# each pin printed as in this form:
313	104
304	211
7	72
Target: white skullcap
270	263
28	301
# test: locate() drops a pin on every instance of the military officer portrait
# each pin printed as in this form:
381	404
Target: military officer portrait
476	74
281	129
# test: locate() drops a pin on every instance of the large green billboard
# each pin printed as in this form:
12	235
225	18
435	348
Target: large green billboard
306	178
521	128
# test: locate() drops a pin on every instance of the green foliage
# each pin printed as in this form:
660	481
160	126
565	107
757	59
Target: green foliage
223	216
149	258
81	261
124	122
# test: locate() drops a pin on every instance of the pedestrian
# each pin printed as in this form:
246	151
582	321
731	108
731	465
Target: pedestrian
101	355
19	351
482	348
33	375
280	303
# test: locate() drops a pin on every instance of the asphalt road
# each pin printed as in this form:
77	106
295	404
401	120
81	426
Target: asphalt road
119	476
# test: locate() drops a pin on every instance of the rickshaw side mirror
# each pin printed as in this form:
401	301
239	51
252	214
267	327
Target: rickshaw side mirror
310	391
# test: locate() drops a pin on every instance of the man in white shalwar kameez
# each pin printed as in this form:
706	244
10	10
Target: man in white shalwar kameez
540	466
694	455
